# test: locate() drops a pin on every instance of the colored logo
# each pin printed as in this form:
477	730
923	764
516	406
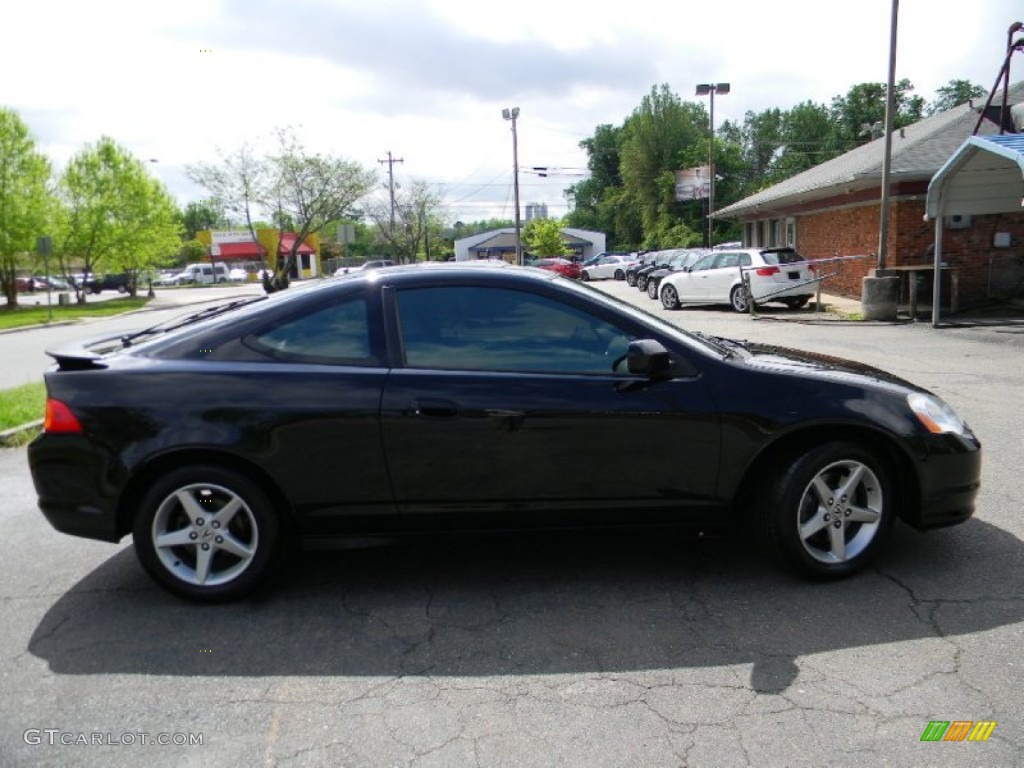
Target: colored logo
958	730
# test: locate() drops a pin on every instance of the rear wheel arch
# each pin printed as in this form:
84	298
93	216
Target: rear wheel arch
144	477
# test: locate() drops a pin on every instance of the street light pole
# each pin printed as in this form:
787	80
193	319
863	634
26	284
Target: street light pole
512	114
710	89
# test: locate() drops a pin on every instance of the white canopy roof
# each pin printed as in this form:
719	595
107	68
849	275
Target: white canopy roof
986	175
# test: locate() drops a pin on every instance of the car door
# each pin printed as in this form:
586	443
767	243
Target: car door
717	282
691	285
512	403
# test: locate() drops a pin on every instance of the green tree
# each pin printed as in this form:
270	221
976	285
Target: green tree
859	116
114	217
25	201
418	220
654	137
237	183
954	93
202	215
587	196
308	191
543	237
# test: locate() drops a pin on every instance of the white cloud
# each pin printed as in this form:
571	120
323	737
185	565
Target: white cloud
427	80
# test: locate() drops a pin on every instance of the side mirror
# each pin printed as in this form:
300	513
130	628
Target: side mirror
647	357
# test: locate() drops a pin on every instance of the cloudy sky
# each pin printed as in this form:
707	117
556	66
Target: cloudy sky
179	81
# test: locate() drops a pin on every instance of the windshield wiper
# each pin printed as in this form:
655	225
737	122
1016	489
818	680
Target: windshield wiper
181	322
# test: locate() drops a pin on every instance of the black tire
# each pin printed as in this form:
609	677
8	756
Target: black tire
652	289
669	296
836	535
641	283
631	278
738	299
586	276
620	275
238	558
798	302
122	288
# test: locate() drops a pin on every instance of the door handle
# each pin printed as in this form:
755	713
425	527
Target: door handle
435	408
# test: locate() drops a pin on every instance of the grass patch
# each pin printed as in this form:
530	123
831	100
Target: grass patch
21	405
36	314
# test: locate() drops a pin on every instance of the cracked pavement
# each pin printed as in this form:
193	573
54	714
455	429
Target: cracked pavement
624	649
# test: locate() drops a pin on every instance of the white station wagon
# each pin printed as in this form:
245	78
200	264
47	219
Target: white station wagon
776	274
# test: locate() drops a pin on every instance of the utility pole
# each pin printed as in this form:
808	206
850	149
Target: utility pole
391	189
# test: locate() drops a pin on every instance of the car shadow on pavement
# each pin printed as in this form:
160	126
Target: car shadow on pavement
539	604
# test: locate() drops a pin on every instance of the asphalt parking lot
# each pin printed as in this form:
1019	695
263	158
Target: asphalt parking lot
630	649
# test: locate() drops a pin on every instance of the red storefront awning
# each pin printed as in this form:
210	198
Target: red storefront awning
287	241
252	251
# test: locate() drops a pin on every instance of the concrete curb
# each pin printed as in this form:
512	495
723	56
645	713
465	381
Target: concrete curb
8	436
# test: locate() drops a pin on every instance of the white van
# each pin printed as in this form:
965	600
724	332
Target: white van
202	274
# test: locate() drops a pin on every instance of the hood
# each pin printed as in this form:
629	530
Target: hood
797	362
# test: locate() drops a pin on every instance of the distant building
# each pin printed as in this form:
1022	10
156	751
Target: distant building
501	244
536	211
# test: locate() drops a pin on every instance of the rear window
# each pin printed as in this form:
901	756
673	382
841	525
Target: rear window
788	256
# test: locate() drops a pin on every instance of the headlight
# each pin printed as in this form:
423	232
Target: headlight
935	415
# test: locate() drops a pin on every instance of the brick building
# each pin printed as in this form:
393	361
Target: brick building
833	210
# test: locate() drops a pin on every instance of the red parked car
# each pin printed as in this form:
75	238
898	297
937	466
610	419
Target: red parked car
564	267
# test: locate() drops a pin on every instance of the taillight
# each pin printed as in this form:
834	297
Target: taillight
767	271
60	419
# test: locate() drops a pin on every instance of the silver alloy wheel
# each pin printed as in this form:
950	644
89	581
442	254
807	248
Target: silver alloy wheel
205	534
669	298
738	298
840	512
652	289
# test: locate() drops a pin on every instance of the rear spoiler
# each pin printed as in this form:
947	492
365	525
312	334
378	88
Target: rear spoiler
85	354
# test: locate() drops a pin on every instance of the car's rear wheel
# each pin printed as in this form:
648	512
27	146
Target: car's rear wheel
669	297
798	302
631	278
829	510
586	276
652	289
122	288
207	534
738	298
620	275
641	282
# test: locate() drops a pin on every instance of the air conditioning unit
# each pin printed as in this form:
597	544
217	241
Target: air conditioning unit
958	221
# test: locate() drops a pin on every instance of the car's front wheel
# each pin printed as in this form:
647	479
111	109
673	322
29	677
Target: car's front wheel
206	534
620	275
738	298
669	297
631	278
652	289
641	282
586	276
829	510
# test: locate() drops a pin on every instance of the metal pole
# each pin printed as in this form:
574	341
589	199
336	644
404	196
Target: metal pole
711	166
883	230
515	186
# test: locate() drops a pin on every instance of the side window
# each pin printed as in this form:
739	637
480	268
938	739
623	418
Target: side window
704	263
339	333
495	329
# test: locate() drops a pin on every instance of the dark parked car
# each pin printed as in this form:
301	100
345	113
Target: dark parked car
99	283
412	399
644	260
